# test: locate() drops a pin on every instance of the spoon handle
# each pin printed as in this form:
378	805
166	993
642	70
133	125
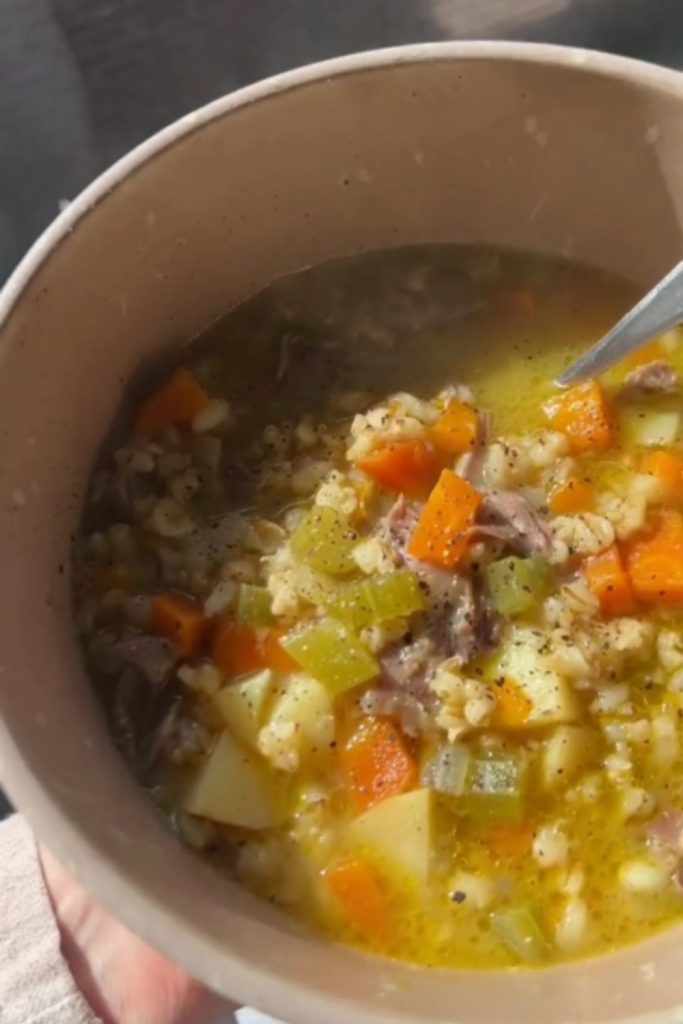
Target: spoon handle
658	311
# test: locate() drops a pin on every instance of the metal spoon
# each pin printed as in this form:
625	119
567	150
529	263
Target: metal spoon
659	311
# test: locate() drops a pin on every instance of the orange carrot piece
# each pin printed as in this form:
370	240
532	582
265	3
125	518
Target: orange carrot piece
175	404
408	467
238	650
650	353
574	495
377	762
358	891
181	619
457	429
608	580
509	840
582	414
668	469
655	563
513	707
440	537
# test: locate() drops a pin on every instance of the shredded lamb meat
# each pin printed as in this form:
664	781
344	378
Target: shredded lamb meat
405	707
460	622
653	378
508	516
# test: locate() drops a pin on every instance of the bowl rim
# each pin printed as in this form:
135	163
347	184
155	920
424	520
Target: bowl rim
100	874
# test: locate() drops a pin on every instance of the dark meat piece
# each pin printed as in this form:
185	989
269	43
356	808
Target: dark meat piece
404	707
653	378
408	666
459	621
396	530
515	521
142	719
667	830
152	656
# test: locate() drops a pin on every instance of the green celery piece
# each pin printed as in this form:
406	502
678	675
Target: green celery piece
394	595
447	771
520	932
368	602
332	654
495	789
324	540
518	585
253	606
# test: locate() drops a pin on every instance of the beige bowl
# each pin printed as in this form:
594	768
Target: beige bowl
547	148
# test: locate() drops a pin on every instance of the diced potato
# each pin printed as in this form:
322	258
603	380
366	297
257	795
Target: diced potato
235	787
242	705
568	750
525	663
651	427
399	830
308	705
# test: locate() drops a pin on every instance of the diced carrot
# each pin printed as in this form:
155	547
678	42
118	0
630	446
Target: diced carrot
408	467
175	404
440	537
509	840
358	891
668	469
377	762
181	619
582	414
513	707
650	353
655	563
457	429
608	580
574	495
241	649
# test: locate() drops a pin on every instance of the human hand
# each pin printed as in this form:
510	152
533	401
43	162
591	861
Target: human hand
123	980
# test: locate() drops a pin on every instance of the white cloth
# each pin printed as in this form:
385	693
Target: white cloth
36	986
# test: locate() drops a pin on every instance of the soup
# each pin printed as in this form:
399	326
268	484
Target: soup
389	626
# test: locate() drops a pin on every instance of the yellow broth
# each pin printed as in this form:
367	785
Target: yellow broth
314	348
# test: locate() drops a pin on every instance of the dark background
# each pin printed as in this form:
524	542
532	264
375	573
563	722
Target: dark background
82	81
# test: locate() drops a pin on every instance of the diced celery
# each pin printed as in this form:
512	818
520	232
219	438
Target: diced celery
394	595
235	787
520	932
368	602
332	654
324	539
495	789
518	585
447	770
650	426
399	829
241	705
253	606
